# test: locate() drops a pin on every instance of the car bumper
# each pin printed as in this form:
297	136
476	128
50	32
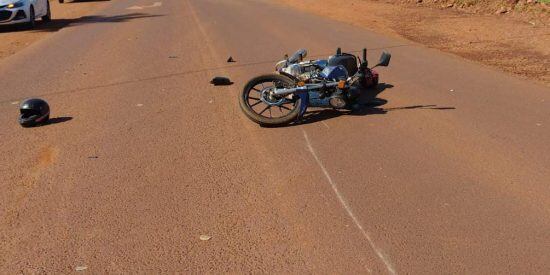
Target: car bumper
13	16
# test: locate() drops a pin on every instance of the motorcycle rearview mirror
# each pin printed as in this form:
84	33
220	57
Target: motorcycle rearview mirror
384	60
339	51
298	56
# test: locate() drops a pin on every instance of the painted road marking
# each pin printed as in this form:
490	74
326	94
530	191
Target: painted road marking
155	5
345	205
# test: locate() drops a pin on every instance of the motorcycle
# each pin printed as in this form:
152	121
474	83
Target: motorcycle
283	97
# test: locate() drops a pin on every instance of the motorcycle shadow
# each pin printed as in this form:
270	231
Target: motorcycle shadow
370	104
320	115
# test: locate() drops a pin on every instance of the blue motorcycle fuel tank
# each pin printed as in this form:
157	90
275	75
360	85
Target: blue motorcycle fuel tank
321	63
334	73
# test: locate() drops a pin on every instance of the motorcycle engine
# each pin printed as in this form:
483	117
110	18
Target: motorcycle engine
337	100
303	71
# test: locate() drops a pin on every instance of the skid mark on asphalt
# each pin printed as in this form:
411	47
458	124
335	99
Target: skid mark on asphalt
348	209
221	68
46	157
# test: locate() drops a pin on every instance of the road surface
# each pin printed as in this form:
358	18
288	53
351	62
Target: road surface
144	156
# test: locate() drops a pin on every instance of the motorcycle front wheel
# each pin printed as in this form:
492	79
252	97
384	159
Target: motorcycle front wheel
261	105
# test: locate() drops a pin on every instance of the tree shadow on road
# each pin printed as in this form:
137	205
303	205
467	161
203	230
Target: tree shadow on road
57	24
83	1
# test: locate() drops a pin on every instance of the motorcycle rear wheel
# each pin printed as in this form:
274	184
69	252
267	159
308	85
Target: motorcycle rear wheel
266	109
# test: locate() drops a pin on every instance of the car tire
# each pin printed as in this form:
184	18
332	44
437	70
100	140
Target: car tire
32	18
48	16
61	1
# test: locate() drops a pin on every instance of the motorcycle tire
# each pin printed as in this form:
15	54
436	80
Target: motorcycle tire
252	114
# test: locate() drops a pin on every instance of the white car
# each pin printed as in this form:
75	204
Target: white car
24	11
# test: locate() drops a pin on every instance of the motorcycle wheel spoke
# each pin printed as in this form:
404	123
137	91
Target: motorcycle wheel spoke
268	107
255	98
284	107
256	90
259	101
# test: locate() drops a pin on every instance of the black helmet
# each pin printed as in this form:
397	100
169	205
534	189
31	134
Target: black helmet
34	111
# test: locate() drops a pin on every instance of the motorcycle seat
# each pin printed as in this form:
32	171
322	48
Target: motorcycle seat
349	62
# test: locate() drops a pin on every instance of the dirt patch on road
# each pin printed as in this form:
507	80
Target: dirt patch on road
513	36
16	38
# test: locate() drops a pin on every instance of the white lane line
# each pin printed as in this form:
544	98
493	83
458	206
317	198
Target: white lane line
326	125
344	204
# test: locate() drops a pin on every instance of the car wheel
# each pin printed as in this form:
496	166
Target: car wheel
48	16
32	18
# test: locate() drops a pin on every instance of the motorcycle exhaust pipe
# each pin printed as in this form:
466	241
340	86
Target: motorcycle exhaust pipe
305	88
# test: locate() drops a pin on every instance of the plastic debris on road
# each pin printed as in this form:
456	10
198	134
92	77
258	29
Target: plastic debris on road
81	268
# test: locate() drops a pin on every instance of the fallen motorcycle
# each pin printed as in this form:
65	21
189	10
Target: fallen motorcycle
284	97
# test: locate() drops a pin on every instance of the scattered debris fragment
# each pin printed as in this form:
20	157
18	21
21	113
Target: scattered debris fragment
93	157
139	105
221	81
15	103
173	56
81	268
503	10
451	90
205	237
231	60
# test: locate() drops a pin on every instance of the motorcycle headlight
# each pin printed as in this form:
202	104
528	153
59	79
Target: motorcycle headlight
15	5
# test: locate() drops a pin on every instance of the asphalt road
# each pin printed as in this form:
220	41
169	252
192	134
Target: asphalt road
144	156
